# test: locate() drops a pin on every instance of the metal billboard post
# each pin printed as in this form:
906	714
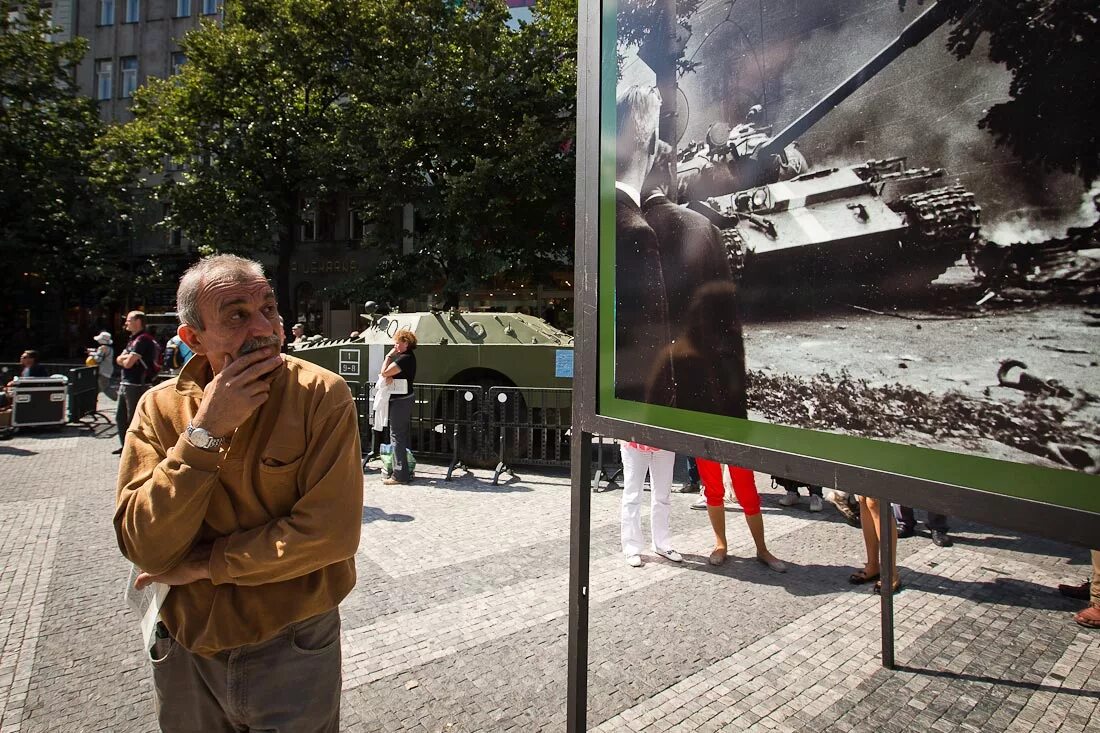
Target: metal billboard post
581	504
886	579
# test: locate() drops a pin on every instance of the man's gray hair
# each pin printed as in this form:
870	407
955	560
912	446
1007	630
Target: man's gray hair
637	112
213	269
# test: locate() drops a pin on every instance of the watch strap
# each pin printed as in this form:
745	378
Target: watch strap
211	444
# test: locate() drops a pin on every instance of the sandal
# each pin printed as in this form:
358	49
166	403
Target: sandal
860	577
897	587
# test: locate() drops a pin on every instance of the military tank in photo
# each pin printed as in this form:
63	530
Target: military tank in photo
790	229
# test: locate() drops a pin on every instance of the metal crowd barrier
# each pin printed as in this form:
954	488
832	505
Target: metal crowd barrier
532	427
469	424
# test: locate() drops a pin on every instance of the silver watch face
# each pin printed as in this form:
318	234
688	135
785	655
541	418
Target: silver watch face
201	438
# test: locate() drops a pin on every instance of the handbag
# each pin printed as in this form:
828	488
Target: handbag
387	460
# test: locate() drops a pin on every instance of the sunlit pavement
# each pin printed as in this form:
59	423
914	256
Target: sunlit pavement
458	621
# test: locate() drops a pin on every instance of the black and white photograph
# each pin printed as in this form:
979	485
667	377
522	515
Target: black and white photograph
876	218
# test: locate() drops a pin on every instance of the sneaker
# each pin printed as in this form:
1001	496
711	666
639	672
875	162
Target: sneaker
940	539
815	503
688	487
700	503
634	561
790	499
670	555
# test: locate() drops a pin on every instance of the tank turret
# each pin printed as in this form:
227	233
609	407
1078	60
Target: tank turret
748	154
792	229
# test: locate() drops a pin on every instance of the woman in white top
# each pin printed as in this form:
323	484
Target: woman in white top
104	356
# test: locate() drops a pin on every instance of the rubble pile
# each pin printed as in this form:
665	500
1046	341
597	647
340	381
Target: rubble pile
1042	425
1069	264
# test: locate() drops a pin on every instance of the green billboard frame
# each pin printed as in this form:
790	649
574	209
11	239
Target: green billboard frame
1060	504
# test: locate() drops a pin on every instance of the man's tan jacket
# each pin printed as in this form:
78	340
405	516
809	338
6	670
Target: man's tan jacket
282	505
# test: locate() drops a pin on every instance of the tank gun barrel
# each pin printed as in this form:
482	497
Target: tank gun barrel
922	26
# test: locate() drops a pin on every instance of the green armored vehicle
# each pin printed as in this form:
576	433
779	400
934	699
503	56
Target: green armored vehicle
525	420
483	349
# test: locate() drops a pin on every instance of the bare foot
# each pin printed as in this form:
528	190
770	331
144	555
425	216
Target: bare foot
718	556
771	561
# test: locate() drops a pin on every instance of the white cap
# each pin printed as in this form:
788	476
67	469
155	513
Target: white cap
103	338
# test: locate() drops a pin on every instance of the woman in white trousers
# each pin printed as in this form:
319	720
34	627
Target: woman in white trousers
638	460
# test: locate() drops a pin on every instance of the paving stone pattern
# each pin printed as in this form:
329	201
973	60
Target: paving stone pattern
458	620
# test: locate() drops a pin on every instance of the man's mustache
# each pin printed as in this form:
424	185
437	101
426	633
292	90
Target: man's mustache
258	343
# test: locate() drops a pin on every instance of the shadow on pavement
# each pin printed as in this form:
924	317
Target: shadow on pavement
1005	591
374	514
1036	686
794	581
7	450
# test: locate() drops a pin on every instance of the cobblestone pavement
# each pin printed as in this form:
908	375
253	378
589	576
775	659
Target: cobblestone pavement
458	621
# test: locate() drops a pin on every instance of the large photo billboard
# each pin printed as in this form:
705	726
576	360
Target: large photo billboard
861	231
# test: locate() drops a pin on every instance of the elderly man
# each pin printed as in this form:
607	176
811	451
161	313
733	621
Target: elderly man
240	487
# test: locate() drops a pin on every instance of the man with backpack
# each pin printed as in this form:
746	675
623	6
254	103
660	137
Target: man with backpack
140	362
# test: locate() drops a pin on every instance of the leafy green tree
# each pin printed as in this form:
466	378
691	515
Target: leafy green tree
250	121
57	228
429	102
476	130
1050	48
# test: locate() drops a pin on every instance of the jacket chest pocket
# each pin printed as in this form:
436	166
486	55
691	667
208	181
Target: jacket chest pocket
277	479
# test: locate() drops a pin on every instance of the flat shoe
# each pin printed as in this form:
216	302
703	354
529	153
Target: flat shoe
860	577
897	587
717	557
1090	617
777	565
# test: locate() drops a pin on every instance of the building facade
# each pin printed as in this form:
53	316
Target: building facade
130	41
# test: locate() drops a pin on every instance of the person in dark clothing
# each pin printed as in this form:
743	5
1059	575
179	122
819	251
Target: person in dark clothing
936	523
400	363
691	486
137	361
31	367
641	312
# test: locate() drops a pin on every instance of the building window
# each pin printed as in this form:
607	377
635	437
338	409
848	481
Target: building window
133	11
129	68
104	70
106	12
356	226
183	8
209	7
179	58
309	225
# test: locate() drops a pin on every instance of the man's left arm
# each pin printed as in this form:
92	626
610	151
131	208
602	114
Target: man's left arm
323	526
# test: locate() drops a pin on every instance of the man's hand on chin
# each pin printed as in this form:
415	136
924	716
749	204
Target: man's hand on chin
196	566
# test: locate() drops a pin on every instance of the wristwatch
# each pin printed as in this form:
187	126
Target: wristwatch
201	438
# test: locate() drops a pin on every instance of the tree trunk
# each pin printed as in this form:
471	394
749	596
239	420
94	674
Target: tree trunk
285	252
